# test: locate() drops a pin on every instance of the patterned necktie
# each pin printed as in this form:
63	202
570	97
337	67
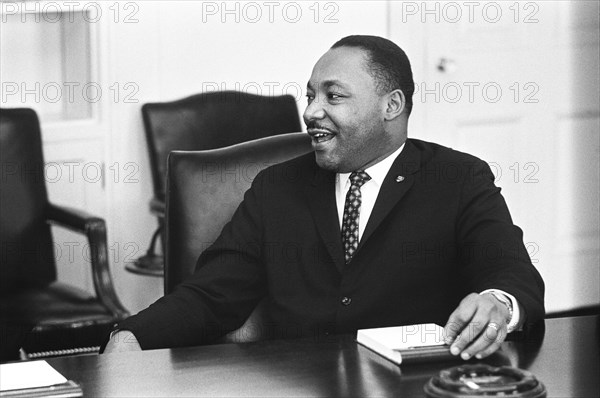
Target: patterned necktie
352	213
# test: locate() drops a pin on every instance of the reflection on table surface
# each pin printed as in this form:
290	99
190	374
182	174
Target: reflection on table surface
563	354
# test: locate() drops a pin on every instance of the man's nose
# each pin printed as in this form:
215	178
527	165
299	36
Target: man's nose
314	111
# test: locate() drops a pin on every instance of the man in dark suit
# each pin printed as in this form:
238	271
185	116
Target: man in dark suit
371	230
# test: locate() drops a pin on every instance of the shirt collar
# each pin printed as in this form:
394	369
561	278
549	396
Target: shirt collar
377	172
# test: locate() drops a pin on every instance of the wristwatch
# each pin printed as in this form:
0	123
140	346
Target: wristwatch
504	300
512	320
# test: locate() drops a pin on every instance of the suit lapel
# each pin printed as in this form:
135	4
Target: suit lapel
396	184
321	199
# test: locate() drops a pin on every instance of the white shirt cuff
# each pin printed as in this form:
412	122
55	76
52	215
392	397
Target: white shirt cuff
516	315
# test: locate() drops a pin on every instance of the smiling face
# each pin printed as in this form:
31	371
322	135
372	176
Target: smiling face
345	115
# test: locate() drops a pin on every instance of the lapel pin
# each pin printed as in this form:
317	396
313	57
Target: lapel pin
399	178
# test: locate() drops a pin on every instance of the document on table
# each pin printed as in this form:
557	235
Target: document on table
35	378
413	343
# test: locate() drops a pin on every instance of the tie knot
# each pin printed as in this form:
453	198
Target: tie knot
358	178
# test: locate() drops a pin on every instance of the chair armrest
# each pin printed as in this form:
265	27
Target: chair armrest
73	219
94	228
157	207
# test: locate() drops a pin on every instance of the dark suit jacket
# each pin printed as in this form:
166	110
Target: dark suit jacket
442	232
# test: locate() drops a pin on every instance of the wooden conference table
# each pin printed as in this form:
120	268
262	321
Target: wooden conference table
564	356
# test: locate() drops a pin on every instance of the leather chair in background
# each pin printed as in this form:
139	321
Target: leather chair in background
204	189
38	314
200	122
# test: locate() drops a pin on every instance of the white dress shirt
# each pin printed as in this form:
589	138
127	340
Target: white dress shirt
369	192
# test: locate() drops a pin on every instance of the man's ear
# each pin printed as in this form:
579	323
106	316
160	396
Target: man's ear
395	104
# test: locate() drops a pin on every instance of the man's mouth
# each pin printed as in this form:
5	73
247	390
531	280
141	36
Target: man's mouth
320	135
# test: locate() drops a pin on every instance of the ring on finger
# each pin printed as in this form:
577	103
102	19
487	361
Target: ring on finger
493	325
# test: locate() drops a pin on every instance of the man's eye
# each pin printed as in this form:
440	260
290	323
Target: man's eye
310	97
334	96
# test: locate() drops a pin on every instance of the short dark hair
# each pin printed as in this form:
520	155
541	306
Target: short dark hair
388	64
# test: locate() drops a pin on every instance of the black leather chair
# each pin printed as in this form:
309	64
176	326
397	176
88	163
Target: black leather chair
203	190
206	121
39	315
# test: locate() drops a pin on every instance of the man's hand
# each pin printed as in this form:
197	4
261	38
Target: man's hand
122	341
477	327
